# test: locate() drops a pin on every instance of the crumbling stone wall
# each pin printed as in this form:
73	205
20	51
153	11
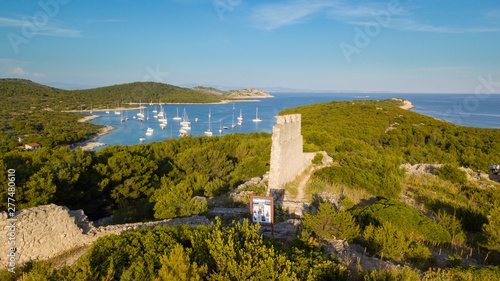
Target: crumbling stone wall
287	158
47	231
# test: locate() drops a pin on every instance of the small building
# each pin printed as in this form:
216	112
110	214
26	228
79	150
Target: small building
32	146
21	137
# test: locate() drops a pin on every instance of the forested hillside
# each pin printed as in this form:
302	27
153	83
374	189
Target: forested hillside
370	139
31	108
129	181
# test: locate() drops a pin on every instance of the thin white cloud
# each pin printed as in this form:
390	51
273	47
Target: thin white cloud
407	24
39	75
47	29
18	72
276	15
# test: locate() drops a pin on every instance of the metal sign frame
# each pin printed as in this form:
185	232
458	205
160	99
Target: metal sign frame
262	211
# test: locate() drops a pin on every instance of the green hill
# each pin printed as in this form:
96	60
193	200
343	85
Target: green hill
18	94
381	128
31	108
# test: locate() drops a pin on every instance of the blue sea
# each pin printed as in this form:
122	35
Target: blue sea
482	111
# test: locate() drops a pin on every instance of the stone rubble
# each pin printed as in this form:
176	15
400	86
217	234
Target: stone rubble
47	231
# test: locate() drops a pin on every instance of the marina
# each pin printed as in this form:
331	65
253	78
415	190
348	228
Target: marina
132	132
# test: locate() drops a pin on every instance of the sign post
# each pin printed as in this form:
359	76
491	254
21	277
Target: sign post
262	211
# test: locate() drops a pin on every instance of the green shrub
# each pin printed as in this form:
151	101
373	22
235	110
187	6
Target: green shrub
418	254
347	203
413	223
452	173
328	270
492	229
318	159
329	224
453	261
173	200
379	176
452	224
386	240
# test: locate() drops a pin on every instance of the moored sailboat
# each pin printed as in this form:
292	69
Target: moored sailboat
257	119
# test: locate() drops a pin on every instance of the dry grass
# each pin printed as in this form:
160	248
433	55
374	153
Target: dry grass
292	188
317	187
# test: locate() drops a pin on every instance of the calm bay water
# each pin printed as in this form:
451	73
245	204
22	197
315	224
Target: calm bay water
461	109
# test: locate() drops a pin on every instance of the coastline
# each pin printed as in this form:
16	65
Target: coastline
104	110
90	143
407	105
220	102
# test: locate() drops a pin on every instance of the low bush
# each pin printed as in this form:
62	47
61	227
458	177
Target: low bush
411	222
452	173
386	241
329	224
318	159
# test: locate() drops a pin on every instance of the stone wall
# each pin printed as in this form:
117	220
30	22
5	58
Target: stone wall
287	159
47	231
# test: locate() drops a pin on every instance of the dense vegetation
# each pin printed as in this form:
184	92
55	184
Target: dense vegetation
370	139
139	181
23	94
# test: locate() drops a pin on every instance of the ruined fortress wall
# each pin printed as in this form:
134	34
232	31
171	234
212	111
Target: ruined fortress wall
287	158
47	231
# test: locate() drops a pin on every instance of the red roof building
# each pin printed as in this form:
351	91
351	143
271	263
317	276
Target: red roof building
32	146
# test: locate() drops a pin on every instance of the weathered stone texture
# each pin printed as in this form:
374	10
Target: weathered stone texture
287	159
47	231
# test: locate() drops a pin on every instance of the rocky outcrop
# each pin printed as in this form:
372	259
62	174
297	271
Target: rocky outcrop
47	231
245	93
249	93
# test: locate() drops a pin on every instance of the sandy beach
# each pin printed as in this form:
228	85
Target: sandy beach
111	109
220	102
88	118
407	105
90	143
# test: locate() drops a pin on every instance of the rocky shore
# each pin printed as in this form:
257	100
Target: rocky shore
91	143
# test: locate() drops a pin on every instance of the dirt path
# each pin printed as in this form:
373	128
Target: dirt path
297	204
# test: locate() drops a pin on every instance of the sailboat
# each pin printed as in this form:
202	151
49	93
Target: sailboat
232	122
155	111
149	132
117	111
220	126
240	118
107	109
151	102
126	115
257	119
140	114
147	118
161	116
209	133
185	120
177	117
142	139
90	109
122	120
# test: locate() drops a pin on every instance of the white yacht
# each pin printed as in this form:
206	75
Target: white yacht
240	118
209	133
257	119
177	116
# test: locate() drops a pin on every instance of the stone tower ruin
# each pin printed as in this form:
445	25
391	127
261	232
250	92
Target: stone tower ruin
287	157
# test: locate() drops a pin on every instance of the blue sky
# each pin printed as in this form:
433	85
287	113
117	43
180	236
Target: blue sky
415	46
